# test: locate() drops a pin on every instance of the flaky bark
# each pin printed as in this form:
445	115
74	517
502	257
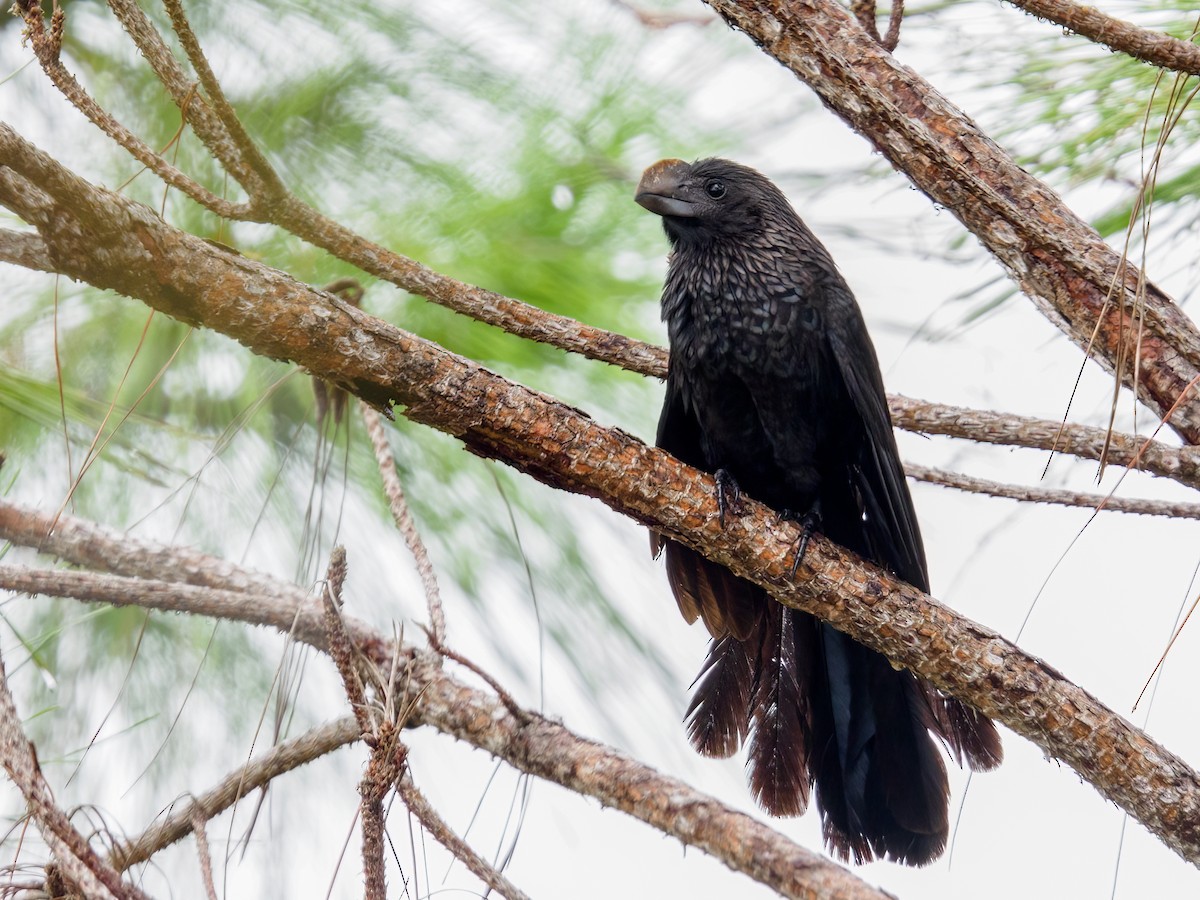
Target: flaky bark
115	243
1079	282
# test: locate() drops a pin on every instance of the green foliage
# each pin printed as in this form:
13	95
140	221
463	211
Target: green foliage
1089	118
513	171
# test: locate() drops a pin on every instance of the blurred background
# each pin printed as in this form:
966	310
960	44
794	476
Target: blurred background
499	142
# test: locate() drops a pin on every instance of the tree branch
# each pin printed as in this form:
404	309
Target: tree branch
24	249
46	46
526	741
1155	47
1180	464
79	862
241	782
436	826
199	283
1096	502
1059	261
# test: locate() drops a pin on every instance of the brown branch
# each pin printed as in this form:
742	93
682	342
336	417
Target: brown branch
528	741
79	862
402	516
24	249
1055	496
272	201
46	46
382	770
1058	260
341	648
203	284
258	773
436	826
265	181
1155	47
210	889
182	89
1180	464
1082	298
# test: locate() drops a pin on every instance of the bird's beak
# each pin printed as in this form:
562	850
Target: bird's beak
658	188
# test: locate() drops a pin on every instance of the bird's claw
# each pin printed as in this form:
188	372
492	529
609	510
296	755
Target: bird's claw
729	495
809	523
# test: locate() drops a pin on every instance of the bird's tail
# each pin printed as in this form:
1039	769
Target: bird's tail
821	709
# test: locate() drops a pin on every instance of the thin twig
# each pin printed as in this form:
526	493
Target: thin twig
1180	464
80	863
277	761
340	646
402	516
46	47
269	181
205	857
444	835
1155	47
1059	497
891	40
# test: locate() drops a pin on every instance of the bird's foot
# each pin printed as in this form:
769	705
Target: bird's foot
729	495
809	523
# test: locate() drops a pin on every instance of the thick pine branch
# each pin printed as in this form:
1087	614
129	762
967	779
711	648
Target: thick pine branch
114	243
1078	281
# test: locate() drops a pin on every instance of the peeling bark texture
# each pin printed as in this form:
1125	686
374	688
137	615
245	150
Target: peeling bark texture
1154	47
115	243
1052	255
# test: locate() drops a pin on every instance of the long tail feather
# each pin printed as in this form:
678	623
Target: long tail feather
780	737
718	717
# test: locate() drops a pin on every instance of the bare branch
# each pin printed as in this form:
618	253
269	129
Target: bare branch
269	182
198	829
46	47
341	649
24	249
436	826
1058	497
289	212
1155	47
205	285
258	773
1058	260
84	543
528	741
80	863
182	90
1181	464
402	516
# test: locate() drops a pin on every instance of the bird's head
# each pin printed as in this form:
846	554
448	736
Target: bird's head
711	199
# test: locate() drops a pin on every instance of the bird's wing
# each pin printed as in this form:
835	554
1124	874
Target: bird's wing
890	521
703	589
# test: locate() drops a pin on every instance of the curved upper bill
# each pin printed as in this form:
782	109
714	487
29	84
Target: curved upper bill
660	184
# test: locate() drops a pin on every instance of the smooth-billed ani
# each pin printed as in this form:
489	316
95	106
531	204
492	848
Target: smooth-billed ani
775	387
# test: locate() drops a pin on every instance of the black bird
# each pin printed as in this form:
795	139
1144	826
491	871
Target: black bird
774	386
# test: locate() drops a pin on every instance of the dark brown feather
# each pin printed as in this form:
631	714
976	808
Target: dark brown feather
779	739
728	605
718	717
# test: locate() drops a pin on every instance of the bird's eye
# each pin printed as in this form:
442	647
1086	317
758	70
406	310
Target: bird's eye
715	189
